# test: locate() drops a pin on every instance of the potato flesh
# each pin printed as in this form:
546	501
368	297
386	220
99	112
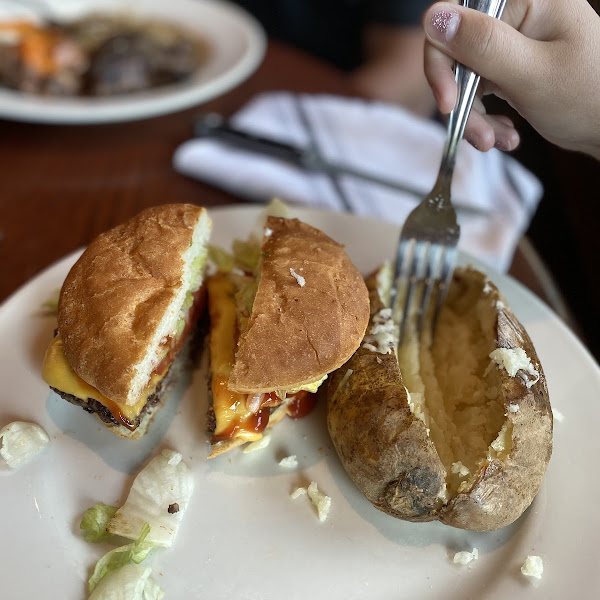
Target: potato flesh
450	387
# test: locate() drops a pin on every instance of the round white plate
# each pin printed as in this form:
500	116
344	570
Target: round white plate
243	537
237	44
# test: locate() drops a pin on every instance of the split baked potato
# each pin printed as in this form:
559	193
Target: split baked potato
458	430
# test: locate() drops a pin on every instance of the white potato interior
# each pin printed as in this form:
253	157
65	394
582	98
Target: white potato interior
450	386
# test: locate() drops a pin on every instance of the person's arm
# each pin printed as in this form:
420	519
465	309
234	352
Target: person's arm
392	42
393	67
544	61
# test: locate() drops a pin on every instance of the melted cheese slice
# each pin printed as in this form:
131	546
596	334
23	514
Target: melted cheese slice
233	419
57	373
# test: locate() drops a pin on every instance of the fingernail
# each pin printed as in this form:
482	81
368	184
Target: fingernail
442	25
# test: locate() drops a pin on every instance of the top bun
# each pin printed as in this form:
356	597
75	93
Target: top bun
124	297
309	315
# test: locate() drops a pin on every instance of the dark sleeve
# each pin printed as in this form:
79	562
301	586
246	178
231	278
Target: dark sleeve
397	12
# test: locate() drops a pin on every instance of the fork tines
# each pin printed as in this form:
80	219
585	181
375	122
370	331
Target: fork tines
422	276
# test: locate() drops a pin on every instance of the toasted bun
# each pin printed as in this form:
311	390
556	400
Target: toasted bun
309	315
125	294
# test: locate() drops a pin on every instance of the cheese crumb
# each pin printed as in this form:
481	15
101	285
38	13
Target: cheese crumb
514	360
513	408
263	442
460	469
298	492
342	383
533	567
301	281
268	232
289	462
558	416
320	500
382	336
464	558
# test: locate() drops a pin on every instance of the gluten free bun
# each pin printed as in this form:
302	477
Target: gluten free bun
309	315
124	297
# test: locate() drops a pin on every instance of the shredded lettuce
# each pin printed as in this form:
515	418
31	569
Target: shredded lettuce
150	516
130	582
221	258
50	305
246	254
121	556
95	520
159	496
21	441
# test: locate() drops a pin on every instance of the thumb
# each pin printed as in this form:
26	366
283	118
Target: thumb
489	46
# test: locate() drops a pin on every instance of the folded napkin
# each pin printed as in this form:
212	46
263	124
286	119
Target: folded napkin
378	138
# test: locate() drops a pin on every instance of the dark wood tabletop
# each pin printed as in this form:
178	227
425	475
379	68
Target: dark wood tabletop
62	185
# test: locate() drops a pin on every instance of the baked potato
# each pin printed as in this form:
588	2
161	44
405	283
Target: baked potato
457	430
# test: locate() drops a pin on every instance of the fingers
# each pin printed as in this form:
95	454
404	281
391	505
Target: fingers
440	76
490	47
491	131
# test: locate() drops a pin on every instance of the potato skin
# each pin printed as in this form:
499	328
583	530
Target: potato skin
381	444
386	451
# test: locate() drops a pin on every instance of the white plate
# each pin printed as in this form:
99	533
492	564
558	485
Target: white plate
243	537
237	45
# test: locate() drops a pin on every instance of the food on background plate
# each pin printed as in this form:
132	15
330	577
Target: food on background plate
458	430
127	314
285	310
98	55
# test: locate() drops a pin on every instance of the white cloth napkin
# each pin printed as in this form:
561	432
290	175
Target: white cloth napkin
384	140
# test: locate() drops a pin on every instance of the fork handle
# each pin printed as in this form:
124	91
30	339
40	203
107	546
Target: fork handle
467	81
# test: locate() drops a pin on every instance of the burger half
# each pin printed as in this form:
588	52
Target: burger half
126	314
284	312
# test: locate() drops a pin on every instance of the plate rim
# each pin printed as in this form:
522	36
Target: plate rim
15	106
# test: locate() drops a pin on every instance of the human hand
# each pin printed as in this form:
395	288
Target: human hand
542	58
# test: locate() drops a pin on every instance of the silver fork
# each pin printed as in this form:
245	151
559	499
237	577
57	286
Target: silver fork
426	251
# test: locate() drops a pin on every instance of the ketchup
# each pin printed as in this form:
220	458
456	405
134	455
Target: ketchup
301	404
115	411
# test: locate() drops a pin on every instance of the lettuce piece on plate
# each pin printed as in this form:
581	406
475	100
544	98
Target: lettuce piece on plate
120	557
131	582
159	496
95	520
21	441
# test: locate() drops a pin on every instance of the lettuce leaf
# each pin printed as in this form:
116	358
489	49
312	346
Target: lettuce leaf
130	582
20	441
159	496
120	557
95	520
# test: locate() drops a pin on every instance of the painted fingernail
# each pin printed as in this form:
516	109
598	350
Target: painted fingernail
442	25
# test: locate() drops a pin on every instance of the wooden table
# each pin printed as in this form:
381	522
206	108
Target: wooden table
62	185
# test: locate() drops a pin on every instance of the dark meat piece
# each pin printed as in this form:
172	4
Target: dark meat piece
131	62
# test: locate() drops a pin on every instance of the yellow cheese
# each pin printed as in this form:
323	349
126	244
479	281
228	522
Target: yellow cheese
232	417
57	373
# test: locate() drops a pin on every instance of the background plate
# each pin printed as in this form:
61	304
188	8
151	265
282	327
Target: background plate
243	537
237	45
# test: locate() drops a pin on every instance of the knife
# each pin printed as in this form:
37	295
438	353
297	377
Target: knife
215	126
